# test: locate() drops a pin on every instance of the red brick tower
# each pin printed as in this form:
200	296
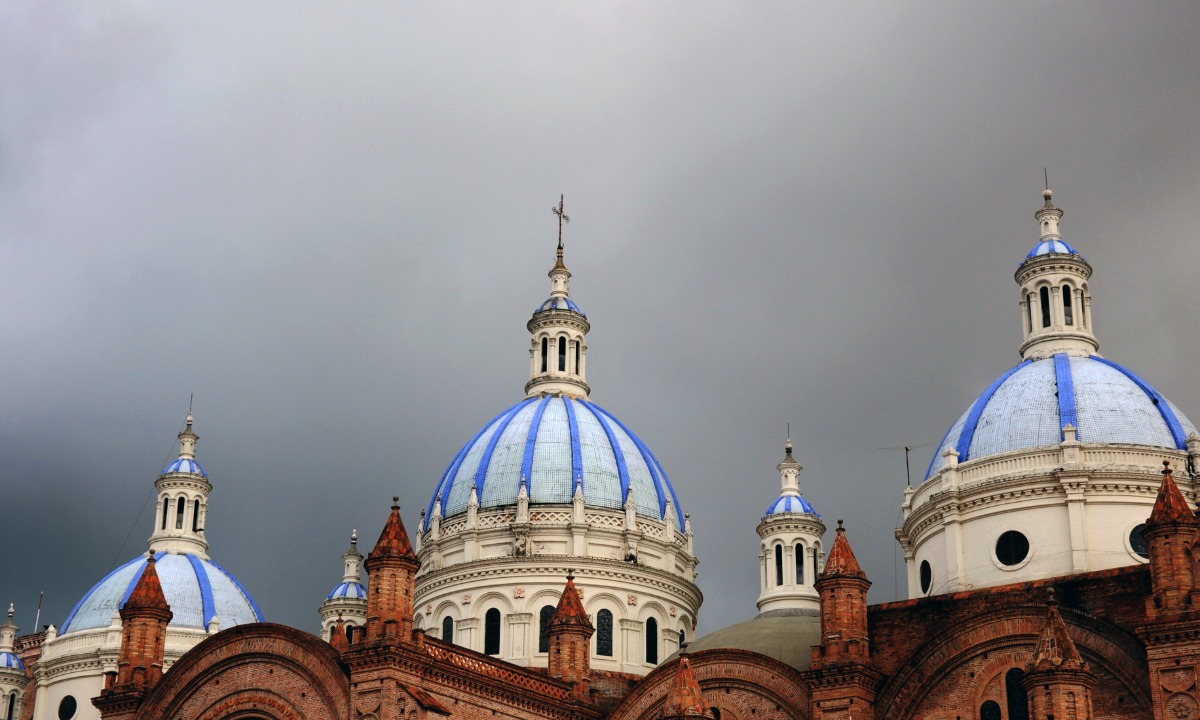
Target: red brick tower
391	567
1170	634
570	632
1170	536
1059	683
843	681
685	700
337	637
144	619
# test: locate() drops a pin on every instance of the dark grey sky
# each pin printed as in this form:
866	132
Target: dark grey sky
331	223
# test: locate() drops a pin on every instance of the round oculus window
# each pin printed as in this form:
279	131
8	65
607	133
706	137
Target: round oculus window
1137	541
926	576
1012	548
67	707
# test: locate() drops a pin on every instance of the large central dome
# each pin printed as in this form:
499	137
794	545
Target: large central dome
552	442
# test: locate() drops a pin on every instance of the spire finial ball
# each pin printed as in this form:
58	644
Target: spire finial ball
1047	193
1166	467
839	527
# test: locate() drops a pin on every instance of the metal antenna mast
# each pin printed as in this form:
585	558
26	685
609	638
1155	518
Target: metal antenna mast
562	218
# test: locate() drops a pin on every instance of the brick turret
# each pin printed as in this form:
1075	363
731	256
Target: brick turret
391	567
1170	537
570	631
1058	681
843	680
144	618
685	699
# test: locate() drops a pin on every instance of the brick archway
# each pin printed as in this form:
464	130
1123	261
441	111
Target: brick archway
993	639
735	681
259	671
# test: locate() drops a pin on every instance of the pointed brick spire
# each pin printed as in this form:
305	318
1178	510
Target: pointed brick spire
1055	649
393	541
148	593
337	636
685	699
570	609
1170	505
841	561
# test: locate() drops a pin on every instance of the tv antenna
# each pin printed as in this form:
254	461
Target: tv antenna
907	449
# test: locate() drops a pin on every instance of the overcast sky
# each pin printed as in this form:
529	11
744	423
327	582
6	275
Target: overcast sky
331	222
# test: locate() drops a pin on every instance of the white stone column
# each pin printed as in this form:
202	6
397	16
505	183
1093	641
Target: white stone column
465	631
518	638
1056	307
631	647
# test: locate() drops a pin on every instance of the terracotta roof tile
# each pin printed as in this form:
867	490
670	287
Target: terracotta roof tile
1055	649
841	561
685	698
570	608
148	592
393	541
1170	505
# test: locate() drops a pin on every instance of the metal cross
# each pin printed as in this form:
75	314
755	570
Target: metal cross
562	218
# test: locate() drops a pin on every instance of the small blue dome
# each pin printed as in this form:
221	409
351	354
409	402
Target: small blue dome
791	504
183	465
552	441
1028	406
349	590
557	303
1047	247
196	589
9	660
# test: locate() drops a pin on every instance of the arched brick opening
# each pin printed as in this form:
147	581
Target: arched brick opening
734	681
259	671
1003	638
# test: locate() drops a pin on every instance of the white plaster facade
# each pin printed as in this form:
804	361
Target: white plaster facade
1075	501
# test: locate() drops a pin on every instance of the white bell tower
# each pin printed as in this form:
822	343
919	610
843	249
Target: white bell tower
1056	306
558	331
182	506
791	555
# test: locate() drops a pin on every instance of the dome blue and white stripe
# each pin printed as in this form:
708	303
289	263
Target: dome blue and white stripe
1051	246
559	303
552	441
350	590
184	465
9	660
1028	406
791	504
196	589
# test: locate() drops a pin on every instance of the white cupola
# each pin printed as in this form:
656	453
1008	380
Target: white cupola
348	599
558	331
182	507
791	555
1056	307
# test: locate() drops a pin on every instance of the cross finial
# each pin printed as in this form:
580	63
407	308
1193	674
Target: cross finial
562	218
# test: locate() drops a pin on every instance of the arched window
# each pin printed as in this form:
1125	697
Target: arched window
491	632
545	343
652	641
716	713
604	633
448	629
196	517
778	564
350	633
799	564
544	628
682	639
562	354
990	710
1044	296
1029	310
1018	701
1068	316
166	512
179	507
577	343
12	703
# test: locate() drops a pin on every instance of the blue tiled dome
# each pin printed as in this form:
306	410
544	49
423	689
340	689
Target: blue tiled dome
551	441
9	660
184	465
557	303
1046	247
349	590
1027	407
791	504
196	589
